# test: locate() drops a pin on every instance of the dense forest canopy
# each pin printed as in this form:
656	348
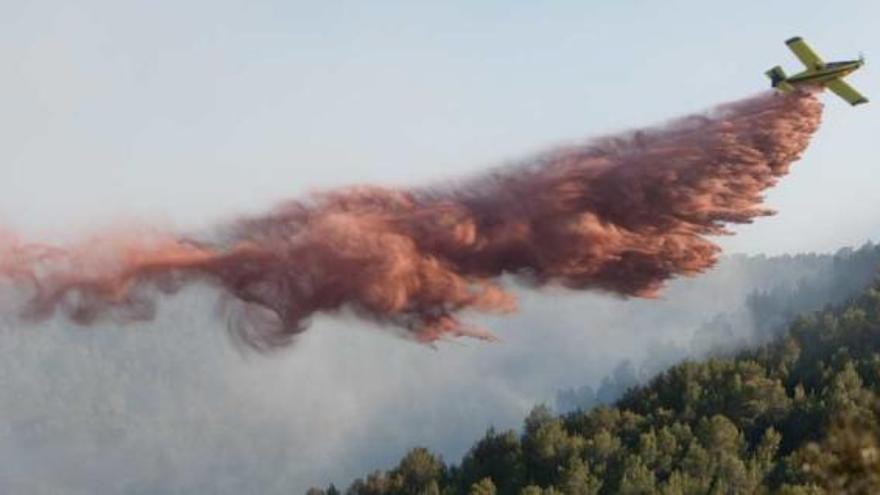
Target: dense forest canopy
786	286
796	415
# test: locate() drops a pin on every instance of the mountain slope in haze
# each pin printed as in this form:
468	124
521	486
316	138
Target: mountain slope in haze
797	415
171	407
783	287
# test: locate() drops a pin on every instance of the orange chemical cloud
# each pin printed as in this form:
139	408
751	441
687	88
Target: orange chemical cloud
621	214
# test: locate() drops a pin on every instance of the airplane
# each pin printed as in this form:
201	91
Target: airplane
819	73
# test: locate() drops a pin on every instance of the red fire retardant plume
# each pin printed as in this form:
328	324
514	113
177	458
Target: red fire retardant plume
620	214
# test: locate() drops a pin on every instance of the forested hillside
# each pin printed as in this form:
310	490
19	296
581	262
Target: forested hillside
786	286
171	407
796	415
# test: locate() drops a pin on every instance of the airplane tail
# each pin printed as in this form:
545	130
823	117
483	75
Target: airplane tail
779	80
776	75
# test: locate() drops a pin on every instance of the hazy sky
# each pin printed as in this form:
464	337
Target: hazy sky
187	112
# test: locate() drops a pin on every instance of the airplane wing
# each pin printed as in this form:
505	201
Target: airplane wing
804	53
842	89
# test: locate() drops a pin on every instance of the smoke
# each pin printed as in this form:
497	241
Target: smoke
621	214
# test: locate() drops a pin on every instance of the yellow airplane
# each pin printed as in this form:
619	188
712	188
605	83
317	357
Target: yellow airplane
828	75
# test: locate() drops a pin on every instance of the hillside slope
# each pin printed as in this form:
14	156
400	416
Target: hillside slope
171	407
797	415
774	291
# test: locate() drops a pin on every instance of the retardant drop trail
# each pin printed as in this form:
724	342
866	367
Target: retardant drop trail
621	214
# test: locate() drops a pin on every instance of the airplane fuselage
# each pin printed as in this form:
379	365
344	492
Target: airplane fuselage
825	73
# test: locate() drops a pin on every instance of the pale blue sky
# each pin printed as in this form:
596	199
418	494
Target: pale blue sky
186	112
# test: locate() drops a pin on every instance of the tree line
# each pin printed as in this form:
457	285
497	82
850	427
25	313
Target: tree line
796	415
